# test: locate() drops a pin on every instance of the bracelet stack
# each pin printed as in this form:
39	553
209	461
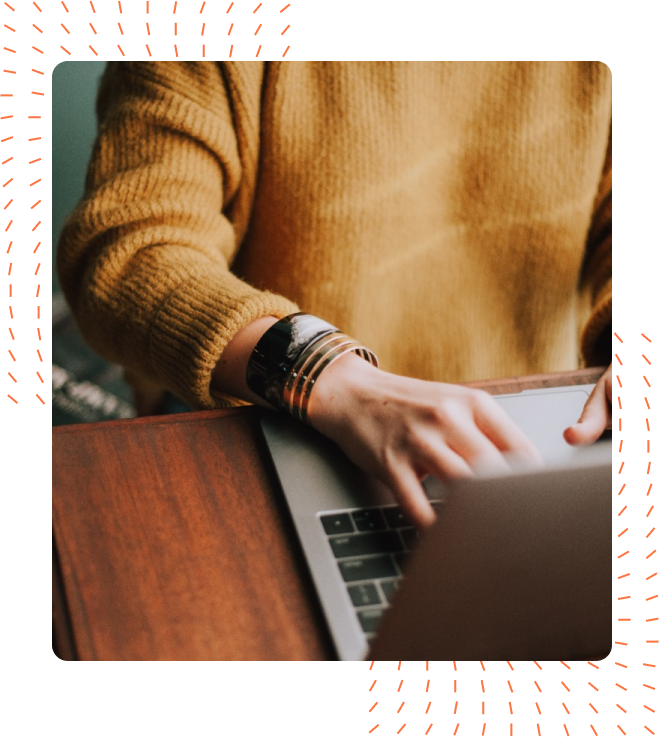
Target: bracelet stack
291	355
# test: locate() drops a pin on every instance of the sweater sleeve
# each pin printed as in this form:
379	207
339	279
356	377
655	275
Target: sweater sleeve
145	258
597	274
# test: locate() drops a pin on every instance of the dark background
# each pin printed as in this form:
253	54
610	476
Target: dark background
85	387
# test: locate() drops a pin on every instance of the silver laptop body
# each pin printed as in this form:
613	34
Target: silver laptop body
337	510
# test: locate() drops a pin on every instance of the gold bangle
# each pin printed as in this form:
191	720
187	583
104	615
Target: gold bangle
307	378
305	363
336	354
298	384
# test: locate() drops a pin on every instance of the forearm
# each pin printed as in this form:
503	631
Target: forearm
145	258
229	376
331	388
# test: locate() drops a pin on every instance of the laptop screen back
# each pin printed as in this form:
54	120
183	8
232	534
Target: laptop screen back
516	568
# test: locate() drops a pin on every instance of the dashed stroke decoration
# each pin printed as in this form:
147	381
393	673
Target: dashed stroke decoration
36	36
617	695
213	24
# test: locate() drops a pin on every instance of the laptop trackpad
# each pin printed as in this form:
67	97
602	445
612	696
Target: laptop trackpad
544	417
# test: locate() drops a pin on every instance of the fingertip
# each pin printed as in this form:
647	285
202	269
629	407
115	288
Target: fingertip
424	526
580	434
412	499
574	435
423	517
429	520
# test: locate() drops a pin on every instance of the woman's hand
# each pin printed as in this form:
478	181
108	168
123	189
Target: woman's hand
396	428
596	415
402	429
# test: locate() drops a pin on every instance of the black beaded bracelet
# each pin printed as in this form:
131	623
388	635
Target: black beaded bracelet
276	353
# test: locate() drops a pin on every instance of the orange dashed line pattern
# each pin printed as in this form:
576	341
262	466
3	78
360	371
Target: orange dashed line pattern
22	356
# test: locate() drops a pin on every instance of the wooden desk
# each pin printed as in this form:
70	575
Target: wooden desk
172	542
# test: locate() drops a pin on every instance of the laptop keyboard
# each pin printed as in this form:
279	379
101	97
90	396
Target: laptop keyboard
371	547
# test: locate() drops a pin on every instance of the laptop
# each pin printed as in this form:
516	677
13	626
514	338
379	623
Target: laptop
507	558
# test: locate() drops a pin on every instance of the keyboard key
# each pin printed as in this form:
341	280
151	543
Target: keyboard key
363	569
410	536
389	589
395	517
337	524
364	595
369	520
370	619
368	543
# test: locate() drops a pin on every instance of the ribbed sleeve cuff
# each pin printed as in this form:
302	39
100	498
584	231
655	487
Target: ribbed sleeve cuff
194	325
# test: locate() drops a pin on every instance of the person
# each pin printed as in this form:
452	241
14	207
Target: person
454	217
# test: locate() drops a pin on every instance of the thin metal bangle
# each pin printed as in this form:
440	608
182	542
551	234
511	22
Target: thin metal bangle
278	350
355	347
322	360
305	363
301	363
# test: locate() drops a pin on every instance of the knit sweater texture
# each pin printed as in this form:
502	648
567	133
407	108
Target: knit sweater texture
453	216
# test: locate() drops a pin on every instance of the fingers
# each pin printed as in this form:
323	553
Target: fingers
411	496
469	436
473	453
440	460
594	419
503	432
479	452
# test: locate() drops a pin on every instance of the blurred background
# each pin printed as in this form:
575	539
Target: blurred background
85	387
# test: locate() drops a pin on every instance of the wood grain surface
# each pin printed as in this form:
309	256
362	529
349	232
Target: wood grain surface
173	542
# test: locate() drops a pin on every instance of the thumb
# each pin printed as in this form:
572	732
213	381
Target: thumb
593	421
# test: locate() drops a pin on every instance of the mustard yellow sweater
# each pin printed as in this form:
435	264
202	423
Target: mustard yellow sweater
454	217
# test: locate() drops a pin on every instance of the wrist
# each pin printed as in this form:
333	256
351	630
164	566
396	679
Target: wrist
229	374
339	389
